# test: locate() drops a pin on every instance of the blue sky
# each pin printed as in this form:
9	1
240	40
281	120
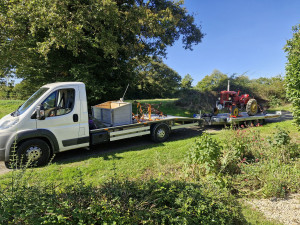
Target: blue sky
242	37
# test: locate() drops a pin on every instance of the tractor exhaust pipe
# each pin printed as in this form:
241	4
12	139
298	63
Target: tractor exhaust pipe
228	85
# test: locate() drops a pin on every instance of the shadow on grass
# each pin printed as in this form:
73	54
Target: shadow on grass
109	151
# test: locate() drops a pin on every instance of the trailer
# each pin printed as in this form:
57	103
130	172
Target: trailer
242	119
158	128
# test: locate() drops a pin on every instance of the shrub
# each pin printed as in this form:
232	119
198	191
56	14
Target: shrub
204	157
118	202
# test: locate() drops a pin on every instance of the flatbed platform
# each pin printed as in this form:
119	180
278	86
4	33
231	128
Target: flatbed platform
226	119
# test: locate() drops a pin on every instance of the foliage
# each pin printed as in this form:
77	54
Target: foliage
155	80
293	72
186	82
267	91
213	81
194	100
204	156
261	166
114	202
97	42
246	163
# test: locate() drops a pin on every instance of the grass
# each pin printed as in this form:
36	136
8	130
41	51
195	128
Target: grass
167	106
8	106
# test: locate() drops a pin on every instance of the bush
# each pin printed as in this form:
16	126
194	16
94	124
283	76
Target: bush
204	157
247	164
117	202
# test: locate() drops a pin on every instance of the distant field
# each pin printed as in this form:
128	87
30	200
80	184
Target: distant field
8	106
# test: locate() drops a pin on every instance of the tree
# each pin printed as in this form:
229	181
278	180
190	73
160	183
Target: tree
99	42
213	81
156	80
187	81
293	72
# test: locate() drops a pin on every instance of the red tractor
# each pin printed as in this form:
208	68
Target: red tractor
236	103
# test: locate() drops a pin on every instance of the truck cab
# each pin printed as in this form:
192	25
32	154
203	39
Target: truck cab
53	119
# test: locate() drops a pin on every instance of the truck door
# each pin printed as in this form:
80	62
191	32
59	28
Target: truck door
62	112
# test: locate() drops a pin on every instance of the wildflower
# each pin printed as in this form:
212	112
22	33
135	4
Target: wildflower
261	153
256	160
242	126
246	179
283	188
262	139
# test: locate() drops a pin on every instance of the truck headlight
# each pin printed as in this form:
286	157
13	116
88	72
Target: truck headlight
5	124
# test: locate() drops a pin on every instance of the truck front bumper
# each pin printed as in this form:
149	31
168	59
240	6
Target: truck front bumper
4	137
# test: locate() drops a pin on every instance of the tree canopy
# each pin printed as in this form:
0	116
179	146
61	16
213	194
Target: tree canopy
186	82
155	80
293	72
99	42
212	81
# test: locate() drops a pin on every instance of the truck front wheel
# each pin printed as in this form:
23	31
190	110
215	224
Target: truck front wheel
34	151
160	132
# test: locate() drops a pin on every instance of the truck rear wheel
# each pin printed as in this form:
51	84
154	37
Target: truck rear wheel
160	132
251	107
35	151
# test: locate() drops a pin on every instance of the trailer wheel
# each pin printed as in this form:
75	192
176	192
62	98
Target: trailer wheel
160	132
36	151
251	107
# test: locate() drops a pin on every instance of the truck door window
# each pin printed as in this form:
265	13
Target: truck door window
59	103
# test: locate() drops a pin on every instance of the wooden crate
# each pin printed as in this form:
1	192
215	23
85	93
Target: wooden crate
113	113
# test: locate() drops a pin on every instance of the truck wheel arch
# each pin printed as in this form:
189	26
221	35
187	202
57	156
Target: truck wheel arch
23	136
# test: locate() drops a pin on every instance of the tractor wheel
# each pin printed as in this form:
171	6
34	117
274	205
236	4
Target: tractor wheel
234	111
251	107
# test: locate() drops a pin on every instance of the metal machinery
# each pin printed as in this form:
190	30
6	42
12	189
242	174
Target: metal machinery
236	103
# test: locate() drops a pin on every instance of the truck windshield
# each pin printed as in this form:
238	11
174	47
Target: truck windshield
29	102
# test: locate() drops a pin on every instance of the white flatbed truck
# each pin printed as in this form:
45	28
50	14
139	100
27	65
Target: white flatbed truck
55	119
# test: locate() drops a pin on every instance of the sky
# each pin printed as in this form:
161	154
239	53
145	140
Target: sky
241	37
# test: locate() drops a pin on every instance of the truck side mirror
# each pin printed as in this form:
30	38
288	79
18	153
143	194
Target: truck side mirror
40	112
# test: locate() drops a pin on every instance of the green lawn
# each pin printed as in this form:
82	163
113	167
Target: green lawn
167	106
8	106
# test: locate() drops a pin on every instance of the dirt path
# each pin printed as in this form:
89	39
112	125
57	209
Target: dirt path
286	211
